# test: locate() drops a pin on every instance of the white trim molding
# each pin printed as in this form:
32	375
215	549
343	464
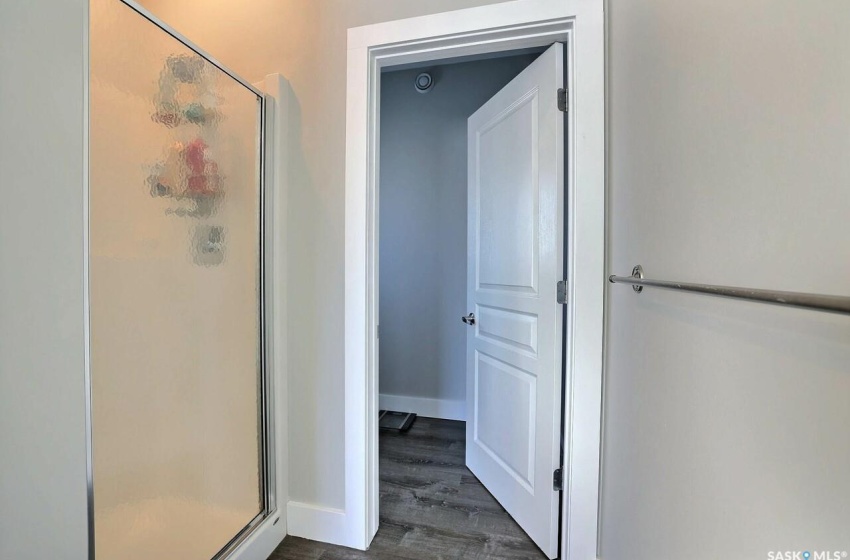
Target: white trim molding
579	24
318	523
446	409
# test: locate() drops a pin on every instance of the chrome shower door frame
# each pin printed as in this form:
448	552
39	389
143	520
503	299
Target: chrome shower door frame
265	377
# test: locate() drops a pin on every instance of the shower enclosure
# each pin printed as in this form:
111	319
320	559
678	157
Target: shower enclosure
180	449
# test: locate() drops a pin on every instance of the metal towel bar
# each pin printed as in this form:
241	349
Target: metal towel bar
818	302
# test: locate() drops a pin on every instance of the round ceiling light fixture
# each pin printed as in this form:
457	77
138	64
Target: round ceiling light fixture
424	82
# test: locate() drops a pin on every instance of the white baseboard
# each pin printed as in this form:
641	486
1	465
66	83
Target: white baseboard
432	408
317	523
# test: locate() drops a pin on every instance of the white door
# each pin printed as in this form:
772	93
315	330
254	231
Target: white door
515	237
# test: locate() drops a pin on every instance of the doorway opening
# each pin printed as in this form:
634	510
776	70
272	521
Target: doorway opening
425	484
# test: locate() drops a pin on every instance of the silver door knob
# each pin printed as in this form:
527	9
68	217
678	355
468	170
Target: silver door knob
469	319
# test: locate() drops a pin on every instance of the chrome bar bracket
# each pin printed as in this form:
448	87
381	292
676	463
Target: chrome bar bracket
637	272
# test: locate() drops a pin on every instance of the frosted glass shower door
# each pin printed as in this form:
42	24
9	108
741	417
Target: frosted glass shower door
175	298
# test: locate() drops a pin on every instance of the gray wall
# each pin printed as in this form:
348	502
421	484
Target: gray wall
43	509
423	224
726	424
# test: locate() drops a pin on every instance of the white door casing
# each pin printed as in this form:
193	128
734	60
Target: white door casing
515	260
504	26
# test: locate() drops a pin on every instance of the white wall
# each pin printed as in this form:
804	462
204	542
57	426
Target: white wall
43	510
423	231
727	425
725	422
305	40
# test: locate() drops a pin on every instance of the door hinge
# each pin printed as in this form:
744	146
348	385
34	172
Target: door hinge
562	291
562	99
558	480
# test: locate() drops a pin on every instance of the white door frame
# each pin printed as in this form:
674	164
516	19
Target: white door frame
579	24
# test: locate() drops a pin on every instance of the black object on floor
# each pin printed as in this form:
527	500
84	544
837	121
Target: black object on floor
392	420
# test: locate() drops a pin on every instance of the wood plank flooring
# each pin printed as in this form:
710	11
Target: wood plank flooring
432	507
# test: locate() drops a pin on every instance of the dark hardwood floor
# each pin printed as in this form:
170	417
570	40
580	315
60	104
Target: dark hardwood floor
432	507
